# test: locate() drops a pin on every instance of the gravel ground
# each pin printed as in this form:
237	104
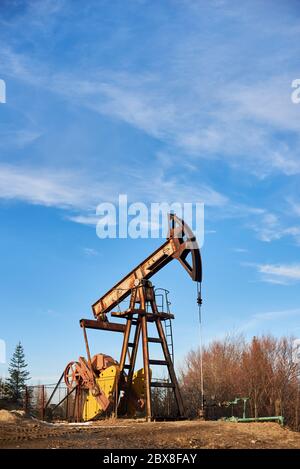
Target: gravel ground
28	433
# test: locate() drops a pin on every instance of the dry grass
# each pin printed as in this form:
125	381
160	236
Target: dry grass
27	433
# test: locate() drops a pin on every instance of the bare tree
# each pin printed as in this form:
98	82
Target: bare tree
262	370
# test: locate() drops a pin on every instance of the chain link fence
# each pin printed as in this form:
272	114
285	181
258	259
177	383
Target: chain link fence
49	402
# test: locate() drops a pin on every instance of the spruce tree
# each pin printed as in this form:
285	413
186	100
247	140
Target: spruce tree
2	388
18	374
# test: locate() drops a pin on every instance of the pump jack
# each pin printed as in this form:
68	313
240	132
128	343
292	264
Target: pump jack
109	386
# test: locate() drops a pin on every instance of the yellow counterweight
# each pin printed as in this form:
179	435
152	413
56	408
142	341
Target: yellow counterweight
107	382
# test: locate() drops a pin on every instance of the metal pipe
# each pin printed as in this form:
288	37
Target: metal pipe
87	346
125	344
43	403
278	418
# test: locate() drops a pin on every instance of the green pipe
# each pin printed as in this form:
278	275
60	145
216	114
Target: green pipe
277	418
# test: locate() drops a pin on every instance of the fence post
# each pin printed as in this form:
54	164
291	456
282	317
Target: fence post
67	407
43	403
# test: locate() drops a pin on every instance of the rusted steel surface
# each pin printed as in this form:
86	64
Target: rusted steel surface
81	374
142	312
125	344
132	391
87	345
103	325
171	370
141	295
179	245
146	368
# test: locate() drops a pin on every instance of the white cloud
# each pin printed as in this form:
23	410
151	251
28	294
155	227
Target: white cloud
271	227
63	189
289	271
237	123
89	220
159	185
90	252
240	250
197	105
295	206
270	316
78	192
283	274
18	138
256	113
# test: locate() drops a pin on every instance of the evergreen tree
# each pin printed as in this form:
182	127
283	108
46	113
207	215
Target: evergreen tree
2	387
18	374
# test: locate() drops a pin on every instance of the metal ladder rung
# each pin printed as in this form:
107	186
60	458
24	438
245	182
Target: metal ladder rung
158	362
161	384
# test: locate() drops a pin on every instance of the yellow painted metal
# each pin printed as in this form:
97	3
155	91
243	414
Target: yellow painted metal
138	386
138	381
107	383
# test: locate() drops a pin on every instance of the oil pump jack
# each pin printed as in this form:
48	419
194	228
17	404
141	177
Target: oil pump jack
104	386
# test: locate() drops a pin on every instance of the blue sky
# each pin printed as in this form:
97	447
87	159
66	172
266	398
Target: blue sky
177	100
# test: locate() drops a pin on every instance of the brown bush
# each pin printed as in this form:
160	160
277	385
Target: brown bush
262	370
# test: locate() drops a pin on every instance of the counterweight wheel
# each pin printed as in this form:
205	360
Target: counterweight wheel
72	375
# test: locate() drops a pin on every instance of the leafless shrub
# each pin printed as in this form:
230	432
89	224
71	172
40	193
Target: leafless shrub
262	370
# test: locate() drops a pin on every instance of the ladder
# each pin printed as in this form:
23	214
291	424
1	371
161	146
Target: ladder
164	305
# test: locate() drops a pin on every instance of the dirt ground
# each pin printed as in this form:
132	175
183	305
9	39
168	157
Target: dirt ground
20	432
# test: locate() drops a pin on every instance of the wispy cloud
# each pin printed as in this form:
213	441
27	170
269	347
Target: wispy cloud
90	220
294	205
283	274
90	252
18	138
186	109
81	193
159	185
260	319
142	102
269	226
43	186
191	101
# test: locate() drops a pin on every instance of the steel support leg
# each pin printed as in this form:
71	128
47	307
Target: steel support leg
146	369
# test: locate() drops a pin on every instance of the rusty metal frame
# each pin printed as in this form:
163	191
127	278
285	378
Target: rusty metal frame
179	245
144	292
